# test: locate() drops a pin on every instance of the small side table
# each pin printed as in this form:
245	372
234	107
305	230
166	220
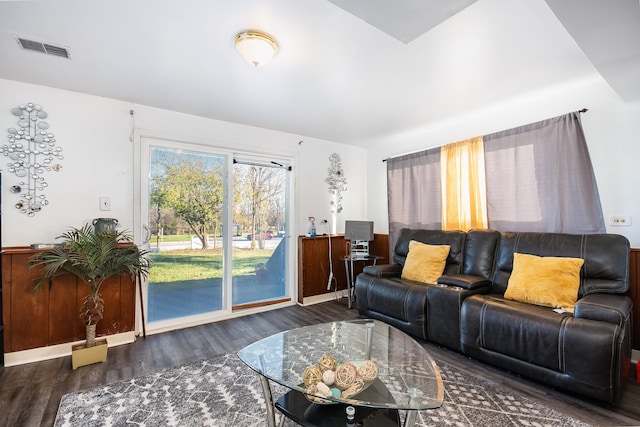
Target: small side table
348	266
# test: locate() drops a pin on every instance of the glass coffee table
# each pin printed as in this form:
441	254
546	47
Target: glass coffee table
386	371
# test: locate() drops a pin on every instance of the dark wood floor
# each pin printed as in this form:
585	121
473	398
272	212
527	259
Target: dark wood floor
30	394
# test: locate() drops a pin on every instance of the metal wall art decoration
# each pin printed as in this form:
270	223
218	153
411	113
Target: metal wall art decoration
31	150
337	182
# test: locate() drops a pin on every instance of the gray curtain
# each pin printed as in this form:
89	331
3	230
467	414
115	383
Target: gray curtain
540	178
413	183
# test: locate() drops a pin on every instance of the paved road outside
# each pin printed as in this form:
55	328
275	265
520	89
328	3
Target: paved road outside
238	242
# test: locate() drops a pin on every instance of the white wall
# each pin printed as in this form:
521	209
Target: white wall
612	129
95	135
613	135
314	200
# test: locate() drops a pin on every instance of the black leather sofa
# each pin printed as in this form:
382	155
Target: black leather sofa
587	352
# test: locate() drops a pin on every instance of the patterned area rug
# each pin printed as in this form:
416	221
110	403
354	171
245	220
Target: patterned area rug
223	391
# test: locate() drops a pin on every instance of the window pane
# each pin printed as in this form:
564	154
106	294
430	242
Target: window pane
259	247
185	216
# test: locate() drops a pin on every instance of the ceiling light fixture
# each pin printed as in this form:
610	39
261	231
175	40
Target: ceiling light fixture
255	47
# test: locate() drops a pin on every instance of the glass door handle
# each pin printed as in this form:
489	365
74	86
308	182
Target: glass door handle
147	234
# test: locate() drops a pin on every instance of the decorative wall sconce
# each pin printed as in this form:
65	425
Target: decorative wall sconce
337	183
31	149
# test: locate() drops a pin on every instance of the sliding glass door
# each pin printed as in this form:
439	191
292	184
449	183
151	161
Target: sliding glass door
259	253
216	226
186	205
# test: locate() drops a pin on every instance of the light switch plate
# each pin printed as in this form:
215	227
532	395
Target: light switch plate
105	203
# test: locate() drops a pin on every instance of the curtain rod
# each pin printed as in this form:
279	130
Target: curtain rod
584	110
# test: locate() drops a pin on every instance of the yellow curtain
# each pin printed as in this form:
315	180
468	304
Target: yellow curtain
464	194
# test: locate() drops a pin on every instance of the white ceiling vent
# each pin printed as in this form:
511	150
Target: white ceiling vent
44	48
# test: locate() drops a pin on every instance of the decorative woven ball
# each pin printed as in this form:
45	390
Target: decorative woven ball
345	375
327	362
311	376
354	388
368	370
313	394
328	377
312	391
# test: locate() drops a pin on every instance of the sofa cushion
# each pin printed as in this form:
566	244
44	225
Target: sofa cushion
398	302
455	239
581	355
425	263
546	281
606	258
526	332
479	252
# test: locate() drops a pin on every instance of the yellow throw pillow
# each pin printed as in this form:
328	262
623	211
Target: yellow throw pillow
547	281
425	263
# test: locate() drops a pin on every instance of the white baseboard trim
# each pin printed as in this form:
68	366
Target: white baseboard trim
316	299
60	350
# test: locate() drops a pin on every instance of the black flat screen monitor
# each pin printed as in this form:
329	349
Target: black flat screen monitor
358	230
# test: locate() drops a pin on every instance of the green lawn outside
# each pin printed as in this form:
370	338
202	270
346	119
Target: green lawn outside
184	265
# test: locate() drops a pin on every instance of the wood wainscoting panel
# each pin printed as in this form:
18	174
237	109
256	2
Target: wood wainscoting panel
63	310
28	325
119	300
314	267
52	315
6	297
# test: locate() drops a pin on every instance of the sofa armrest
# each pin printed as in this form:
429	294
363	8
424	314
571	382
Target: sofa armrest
383	270
464	281
612	308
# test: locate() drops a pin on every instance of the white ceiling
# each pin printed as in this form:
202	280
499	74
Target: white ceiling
335	76
609	34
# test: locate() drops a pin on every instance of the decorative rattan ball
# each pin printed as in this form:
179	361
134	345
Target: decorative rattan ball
345	375
327	362
311	376
312	389
313	393
354	388
368	370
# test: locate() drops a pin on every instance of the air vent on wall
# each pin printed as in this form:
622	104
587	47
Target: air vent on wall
44	48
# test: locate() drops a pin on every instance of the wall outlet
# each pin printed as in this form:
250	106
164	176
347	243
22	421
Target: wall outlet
620	221
105	203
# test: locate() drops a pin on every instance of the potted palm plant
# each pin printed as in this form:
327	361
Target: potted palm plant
93	257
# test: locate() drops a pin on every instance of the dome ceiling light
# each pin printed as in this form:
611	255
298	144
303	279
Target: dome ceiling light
255	47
